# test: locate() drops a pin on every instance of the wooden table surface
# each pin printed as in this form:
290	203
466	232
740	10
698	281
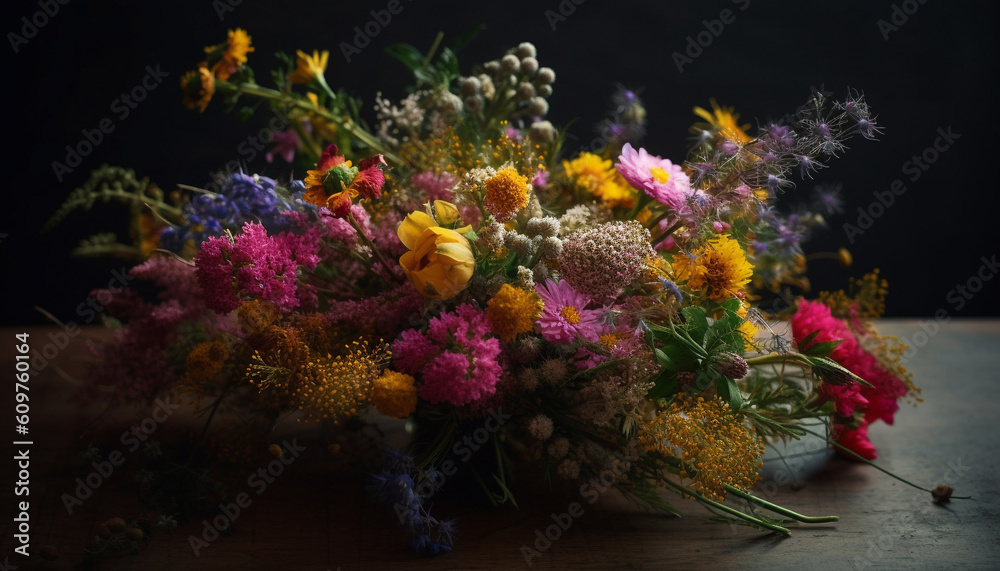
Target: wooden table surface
313	519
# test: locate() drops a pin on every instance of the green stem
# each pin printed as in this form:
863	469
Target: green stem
857	456
367	241
731	511
778	509
343	123
768	359
434	47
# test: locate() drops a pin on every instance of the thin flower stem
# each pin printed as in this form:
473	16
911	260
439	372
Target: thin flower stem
656	221
367	241
731	511
342	122
666	233
857	456
778	509
434	47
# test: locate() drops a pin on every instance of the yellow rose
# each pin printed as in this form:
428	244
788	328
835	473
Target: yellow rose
440	261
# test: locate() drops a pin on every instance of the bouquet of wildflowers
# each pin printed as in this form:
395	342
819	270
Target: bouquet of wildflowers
574	316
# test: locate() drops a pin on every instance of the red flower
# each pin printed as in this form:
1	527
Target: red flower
335	183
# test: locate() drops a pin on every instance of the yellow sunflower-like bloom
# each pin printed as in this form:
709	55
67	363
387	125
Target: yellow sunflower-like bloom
309	67
395	394
198	87
720	269
512	311
231	54
440	261
726	121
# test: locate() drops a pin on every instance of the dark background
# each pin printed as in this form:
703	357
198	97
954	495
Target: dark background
936	71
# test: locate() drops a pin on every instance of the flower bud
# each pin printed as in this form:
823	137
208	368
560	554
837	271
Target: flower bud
731	365
526	50
529	66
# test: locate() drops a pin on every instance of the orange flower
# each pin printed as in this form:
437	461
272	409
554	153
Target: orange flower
231	54
335	183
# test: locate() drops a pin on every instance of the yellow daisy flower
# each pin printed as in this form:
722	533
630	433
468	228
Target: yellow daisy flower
228	57
720	269
725	121
309	67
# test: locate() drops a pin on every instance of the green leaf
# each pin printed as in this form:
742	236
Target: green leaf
822	349
729	391
407	54
424	76
704	379
808	339
664	385
697	322
448	62
675	357
732	304
465	38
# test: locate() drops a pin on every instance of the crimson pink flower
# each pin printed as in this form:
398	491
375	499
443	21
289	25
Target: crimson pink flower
656	176
877	403
456	358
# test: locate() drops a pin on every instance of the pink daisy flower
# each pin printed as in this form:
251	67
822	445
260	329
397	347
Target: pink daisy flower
656	176
565	317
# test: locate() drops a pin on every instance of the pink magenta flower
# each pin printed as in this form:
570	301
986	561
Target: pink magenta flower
254	265
878	403
565	318
456	358
285	144
658	177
